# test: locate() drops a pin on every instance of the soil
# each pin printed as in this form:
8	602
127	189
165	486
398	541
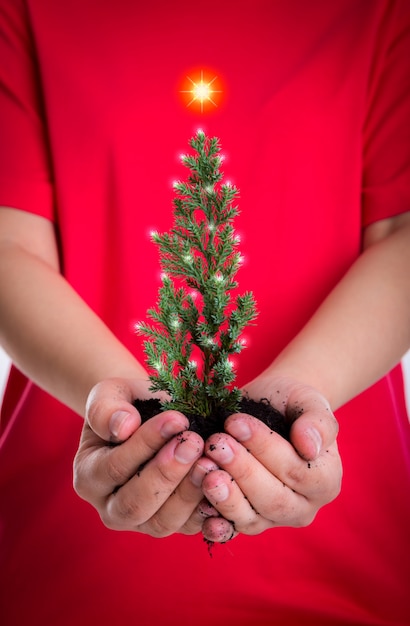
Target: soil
205	427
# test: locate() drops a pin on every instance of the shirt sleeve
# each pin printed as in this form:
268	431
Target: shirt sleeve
386	156
25	164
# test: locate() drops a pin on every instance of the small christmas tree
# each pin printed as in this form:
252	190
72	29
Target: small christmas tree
197	326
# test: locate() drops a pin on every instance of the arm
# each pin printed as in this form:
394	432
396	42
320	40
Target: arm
363	328
357	335
61	344
45	327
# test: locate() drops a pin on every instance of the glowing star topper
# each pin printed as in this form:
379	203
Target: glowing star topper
202	90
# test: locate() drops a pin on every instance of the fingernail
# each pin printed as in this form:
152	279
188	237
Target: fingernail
316	439
171	428
185	452
205	509
197	476
240	430
199	472
119	420
219	493
221	452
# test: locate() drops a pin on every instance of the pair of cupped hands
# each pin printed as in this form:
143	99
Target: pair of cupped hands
159	478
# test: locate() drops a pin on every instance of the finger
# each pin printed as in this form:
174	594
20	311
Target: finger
319	479
315	429
201	468
263	446
256	499
146	492
99	469
202	512
218	530
185	510
109	409
226	497
280	485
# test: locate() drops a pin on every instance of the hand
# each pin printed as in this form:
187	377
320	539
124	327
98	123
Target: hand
264	480
138	476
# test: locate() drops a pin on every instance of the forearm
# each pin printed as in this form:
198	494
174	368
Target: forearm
52	335
361	330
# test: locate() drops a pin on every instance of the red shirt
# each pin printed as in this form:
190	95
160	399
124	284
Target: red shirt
313	120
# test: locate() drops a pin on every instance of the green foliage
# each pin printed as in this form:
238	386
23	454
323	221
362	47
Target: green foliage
195	313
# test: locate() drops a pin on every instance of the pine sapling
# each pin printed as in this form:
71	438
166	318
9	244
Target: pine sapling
197	324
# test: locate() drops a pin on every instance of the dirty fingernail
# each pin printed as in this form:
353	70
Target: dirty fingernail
205	509
185	452
222	453
219	493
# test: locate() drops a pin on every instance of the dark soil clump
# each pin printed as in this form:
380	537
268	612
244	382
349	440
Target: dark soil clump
205	427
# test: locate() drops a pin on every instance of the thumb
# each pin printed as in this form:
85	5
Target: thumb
109	409
315	427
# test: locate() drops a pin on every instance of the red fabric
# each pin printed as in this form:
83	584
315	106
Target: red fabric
313	121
